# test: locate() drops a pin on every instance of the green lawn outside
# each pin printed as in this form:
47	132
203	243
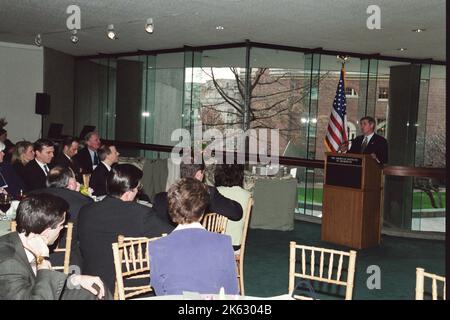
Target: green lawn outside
420	199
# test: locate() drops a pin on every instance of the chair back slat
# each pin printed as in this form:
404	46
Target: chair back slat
434	288
339	270
215	223
321	264
303	261
313	275
330	266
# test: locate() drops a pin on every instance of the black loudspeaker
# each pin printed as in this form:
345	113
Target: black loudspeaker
42	103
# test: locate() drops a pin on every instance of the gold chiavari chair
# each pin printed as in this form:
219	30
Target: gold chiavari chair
323	273
421	275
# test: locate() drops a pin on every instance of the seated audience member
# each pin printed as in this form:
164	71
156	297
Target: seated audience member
108	156
9	146
87	158
61	182
65	157
229	179
218	203
22	154
191	258
36	170
9	180
25	273
100	223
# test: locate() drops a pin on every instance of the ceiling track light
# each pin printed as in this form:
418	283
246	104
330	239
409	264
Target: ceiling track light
73	37
38	40
111	33
149	26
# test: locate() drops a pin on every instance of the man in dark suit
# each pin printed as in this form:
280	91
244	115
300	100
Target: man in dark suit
108	156
25	273
100	223
370	142
65	157
87	158
61	182
36	170
218	203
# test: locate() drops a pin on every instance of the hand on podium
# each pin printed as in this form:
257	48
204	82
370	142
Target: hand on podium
343	147
374	157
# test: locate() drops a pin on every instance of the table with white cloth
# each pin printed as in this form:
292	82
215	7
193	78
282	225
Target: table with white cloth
5	227
5	218
275	200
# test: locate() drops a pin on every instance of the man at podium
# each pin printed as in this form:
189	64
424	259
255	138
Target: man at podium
370	142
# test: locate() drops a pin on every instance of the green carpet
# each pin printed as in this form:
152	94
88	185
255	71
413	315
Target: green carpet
267	262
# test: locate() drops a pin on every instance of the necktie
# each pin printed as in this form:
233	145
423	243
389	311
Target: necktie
46	169
364	144
95	159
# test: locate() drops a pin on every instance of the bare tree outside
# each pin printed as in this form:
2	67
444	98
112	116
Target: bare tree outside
278	98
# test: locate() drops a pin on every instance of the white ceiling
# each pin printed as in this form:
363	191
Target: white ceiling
330	24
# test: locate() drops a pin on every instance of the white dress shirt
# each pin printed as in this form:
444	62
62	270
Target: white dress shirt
30	256
92	153
369	137
107	166
194	225
42	165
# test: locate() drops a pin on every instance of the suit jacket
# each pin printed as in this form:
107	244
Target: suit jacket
12	179
99	225
218	204
377	145
192	260
62	161
35	177
17	280
75	200
84	160
98	180
19	168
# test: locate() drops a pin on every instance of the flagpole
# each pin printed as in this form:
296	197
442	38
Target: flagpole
344	59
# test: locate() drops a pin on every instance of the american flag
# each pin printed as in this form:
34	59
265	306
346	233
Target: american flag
337	125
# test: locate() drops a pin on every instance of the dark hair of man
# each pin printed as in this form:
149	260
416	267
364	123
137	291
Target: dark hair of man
104	151
59	177
369	119
2	131
188	168
90	134
188	199
40	211
229	175
68	142
122	178
41	143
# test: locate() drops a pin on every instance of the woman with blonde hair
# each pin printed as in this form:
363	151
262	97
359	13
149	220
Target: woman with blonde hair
22	154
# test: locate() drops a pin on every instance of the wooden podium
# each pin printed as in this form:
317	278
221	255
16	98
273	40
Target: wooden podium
351	200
